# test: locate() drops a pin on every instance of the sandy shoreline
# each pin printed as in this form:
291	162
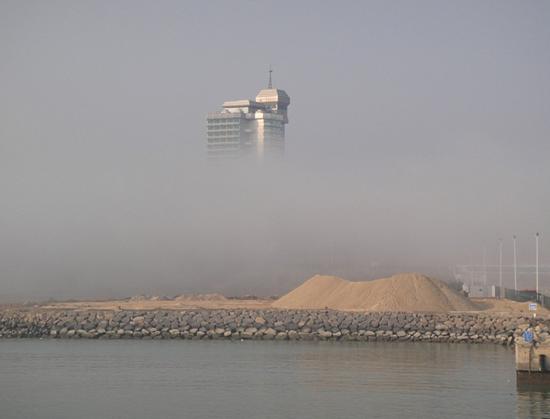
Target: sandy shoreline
408	292
485	305
152	305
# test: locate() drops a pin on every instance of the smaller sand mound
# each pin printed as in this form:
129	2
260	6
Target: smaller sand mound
403	292
508	306
149	298
200	297
139	298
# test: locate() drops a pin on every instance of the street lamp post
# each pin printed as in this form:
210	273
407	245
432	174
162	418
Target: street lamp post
537	264
485	266
515	266
500	267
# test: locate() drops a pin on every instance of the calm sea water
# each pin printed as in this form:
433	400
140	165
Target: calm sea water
220	379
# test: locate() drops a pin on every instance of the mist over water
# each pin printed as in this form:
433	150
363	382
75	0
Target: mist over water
415	140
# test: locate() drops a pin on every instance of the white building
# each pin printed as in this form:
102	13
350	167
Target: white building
250	127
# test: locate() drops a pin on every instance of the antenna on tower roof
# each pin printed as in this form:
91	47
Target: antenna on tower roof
270	85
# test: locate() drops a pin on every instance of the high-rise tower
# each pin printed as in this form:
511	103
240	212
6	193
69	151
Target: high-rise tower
250	127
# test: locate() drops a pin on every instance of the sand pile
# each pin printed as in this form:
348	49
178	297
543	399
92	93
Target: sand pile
200	297
139	298
181	297
403	292
149	298
508	306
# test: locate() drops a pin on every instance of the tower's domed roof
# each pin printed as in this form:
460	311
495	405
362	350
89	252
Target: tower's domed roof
273	96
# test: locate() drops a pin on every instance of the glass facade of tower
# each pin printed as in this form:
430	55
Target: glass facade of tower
224	134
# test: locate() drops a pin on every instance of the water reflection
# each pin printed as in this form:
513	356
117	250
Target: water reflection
533	401
401	367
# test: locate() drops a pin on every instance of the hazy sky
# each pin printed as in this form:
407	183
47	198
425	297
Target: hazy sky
419	133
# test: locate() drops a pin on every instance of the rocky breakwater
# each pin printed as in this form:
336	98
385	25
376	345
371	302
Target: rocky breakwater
269	325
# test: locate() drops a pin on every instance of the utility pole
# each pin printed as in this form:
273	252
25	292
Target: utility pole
471	272
500	268
485	266
537	264
515	266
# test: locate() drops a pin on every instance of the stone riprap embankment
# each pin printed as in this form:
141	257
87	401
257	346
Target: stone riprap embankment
269	325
